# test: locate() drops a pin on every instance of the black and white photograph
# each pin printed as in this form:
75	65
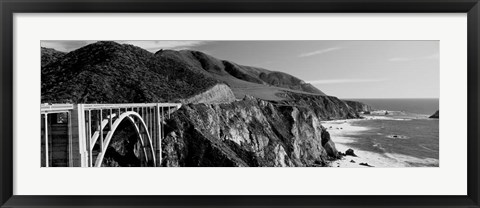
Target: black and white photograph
240	103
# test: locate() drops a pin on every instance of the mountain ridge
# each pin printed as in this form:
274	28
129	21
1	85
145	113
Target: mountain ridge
101	71
241	78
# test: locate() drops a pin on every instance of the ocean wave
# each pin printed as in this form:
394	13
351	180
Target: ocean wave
410	161
386	118
378	147
396	115
423	146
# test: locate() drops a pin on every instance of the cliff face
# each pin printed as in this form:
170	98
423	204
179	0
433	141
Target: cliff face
358	106
435	115
219	93
325	107
250	132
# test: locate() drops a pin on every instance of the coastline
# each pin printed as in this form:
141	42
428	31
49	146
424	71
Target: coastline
343	133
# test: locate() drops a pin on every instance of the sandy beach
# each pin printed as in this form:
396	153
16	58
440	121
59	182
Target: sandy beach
342	132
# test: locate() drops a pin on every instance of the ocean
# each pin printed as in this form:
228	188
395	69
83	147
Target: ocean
426	106
406	136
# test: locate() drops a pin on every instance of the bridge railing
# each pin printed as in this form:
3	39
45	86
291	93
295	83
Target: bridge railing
130	105
55	108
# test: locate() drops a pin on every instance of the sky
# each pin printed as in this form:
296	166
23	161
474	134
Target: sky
345	69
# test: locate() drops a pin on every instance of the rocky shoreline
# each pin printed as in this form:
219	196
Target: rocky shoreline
345	133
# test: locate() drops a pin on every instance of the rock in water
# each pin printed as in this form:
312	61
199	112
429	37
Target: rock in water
435	115
366	164
331	149
328	144
350	152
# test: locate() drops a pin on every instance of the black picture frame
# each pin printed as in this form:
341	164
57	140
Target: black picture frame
9	7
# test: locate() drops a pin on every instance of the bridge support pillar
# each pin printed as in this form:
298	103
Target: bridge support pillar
158	148
79	148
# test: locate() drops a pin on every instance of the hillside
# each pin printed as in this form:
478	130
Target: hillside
111	72
243	80
108	72
50	55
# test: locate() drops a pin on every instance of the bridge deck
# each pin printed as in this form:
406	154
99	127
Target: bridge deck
59	108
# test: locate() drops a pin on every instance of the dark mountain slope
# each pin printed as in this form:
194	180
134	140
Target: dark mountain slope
108	72
50	55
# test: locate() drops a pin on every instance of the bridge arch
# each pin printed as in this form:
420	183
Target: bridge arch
146	143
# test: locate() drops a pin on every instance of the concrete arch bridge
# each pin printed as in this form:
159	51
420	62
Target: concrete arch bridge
81	135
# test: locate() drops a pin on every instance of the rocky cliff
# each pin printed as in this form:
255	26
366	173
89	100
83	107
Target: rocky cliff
250	132
325	107
358	106
435	115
